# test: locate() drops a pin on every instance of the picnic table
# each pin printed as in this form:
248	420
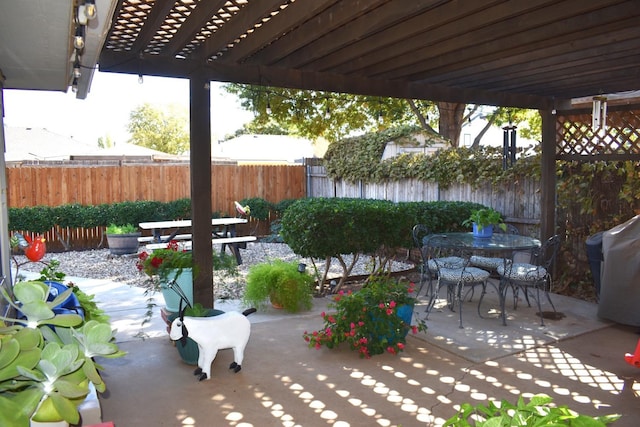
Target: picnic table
223	233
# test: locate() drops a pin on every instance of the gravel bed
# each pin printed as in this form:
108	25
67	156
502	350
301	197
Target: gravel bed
100	264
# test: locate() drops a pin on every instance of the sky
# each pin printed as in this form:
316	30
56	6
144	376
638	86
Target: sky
106	109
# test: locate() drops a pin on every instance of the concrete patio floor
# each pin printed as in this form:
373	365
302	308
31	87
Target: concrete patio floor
578	361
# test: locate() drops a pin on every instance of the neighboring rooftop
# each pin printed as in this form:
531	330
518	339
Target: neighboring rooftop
25	144
276	149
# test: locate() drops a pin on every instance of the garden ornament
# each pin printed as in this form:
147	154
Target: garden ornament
228	330
34	249
634	359
242	210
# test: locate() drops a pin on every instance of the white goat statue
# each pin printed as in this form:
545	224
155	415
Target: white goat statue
227	330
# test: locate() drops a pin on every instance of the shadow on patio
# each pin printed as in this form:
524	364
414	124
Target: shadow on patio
578	361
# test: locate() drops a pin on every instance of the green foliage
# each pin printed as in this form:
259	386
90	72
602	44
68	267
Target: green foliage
485	217
539	411
46	361
331	116
368	319
282	205
121	229
259	207
281	282
36	219
360	159
161	263
328	227
164	131
89	306
40	219
50	272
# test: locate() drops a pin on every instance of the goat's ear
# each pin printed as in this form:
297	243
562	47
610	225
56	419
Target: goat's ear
181	310
185	334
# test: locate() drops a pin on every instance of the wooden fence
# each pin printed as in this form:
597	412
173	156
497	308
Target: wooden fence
54	185
518	201
94	184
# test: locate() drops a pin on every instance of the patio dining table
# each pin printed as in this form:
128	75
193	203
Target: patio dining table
223	233
500	244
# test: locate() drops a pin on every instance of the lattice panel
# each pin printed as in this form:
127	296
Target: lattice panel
620	140
134	13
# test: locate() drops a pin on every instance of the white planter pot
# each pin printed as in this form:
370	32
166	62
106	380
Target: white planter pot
185	282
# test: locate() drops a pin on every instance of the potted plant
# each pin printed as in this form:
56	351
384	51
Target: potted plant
46	359
283	283
371	320
189	352
122	239
483	220
172	266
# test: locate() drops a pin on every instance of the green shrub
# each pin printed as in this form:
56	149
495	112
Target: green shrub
538	412
259	208
328	227
282	283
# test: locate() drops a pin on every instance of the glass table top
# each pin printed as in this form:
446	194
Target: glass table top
497	242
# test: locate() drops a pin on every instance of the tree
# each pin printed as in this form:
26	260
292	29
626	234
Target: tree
160	130
106	142
314	114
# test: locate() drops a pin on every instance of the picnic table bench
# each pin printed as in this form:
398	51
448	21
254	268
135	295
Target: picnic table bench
224	233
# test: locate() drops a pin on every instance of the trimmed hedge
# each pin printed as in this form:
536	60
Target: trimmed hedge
39	219
328	227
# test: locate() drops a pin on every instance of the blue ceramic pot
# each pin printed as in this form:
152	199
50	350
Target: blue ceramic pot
485	233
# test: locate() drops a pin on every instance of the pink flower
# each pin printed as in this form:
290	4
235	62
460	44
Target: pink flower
381	305
392	304
389	311
401	346
414	329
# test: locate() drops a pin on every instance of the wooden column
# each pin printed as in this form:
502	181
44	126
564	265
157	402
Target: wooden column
548	172
200	159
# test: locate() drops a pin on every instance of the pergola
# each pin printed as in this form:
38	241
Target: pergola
538	54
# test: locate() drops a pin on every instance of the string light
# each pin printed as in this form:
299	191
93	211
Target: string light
78	40
140	79
268	107
74	85
90	10
76	68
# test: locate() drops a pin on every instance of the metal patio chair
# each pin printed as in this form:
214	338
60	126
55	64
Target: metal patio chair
491	263
459	280
531	276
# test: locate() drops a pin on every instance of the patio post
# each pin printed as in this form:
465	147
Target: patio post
200	161
548	178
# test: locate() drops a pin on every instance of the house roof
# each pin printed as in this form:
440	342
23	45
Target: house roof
523	53
264	149
38	144
520	53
